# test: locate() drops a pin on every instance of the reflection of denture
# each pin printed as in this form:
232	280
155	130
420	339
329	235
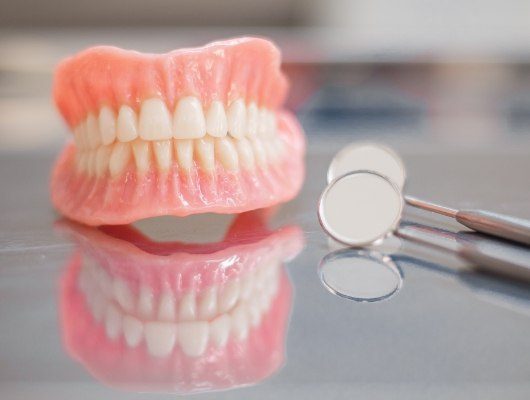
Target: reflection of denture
174	317
193	130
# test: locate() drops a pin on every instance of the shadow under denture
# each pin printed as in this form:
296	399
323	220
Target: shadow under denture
178	317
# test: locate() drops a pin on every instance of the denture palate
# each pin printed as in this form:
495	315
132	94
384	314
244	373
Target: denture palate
240	135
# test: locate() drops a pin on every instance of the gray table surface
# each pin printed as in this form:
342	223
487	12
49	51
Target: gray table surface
443	335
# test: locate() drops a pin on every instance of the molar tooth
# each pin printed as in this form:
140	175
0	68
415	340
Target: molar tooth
121	153
259	151
237	115
107	125
155	121
79	136
188	120
133	330
252	119
102	159
166	307
146	302
220	330
162	149
205	150
226	151
113	321
229	295
127	124
245	152
216	123
267	123
193	337
92	131
184	153
208	303
142	157
187	307
160	338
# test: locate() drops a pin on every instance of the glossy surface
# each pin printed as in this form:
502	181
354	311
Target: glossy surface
448	333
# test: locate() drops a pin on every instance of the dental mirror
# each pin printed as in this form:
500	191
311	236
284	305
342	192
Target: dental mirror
380	159
360	275
360	208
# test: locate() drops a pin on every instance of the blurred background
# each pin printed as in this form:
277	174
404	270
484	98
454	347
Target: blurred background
414	72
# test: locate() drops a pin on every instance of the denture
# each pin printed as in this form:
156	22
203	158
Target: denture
179	317
191	131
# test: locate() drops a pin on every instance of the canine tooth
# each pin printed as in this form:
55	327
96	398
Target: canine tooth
208	303
240	322
102	159
245	153
141	154
113	322
259	151
237	115
184	153
228	296
160	338
122	294
121	153
188	120
133	330
162	150
216	123
205	149
146	302
187	307
126	125
220	330
92	131
107	125
193	337
166	307
155	121
252	119
226	151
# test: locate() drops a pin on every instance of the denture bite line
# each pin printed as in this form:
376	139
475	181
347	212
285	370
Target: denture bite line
242	135
192	320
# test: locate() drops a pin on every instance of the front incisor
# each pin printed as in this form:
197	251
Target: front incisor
188	120
154	122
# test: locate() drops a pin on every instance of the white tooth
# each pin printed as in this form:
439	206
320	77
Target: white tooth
82	161
133	330
229	296
155	122
98	306
146	302
92	162
247	285
92	131
162	150
105	282
259	151
122	294
188	120
142	157
245	153
270	149
252	119
208	303
102	159
216	123
254	312
184	153
107	125
263	122
187	307
220	330
227	153
160	338
240	322
127	124
121	153
205	149
113	322
237	115
193	337
270	123
166	307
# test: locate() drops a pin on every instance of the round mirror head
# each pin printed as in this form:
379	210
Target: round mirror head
368	156
360	208
360	275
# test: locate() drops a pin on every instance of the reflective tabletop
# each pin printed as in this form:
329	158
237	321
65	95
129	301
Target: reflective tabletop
234	306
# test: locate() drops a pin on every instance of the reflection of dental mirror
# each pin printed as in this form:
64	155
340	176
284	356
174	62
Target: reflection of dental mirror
374	157
360	275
